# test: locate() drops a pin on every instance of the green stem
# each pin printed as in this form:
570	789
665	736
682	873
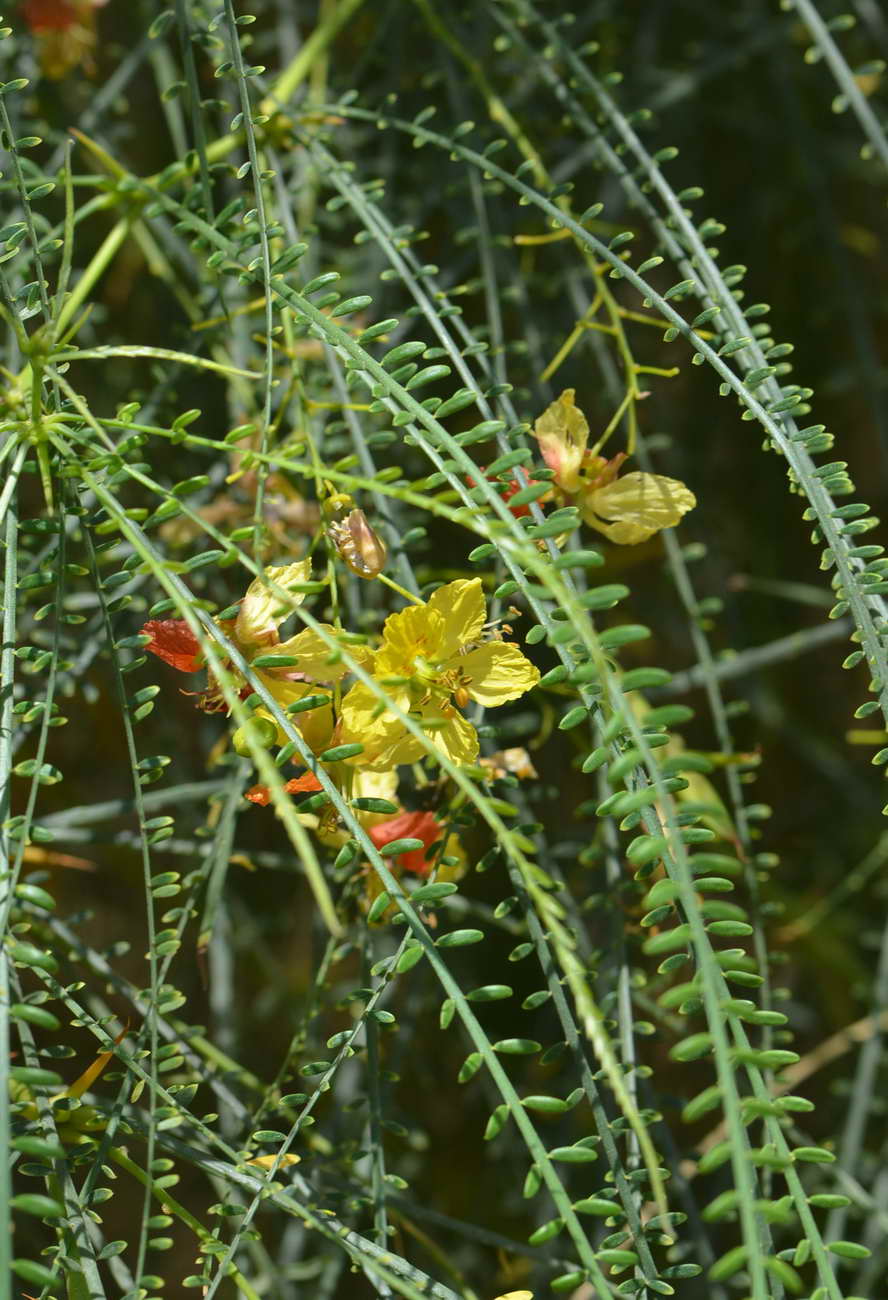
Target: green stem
402	591
615	420
282	90
94	271
172	1206
7	672
38	433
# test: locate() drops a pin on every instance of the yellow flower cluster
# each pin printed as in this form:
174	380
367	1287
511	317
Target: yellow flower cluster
434	658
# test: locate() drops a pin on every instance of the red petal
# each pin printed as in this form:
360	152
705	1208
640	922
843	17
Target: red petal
173	641
258	794
410	825
511	488
49	15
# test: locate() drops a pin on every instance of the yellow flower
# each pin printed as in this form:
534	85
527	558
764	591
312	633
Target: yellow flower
319	660
433	660
628	510
639	504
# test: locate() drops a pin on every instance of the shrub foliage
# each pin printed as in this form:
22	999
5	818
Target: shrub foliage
379	917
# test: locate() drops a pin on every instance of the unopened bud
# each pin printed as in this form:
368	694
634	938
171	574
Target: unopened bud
261	731
359	545
337	505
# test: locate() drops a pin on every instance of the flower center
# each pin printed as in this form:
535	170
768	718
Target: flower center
457	683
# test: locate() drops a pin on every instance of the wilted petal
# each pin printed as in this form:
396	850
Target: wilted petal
262	609
359	545
562	433
498	672
462	607
514	761
512	489
173	641
308	783
639	505
508	490
65	32
49	15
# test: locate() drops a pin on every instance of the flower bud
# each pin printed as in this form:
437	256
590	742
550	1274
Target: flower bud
261	731
337	505
359	545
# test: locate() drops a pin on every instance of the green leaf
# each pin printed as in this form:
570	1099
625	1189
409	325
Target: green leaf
460	938
30	1271
394	847
848	1250
44	1207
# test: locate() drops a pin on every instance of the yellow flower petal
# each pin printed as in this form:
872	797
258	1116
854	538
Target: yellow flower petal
456	739
362	710
288	575
386	740
639	504
498	672
316	725
269	1162
262	609
516	1295
315	654
367	783
562	433
462	607
417	631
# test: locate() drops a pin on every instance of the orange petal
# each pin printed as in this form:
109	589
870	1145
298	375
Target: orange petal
173	641
92	1072
305	784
